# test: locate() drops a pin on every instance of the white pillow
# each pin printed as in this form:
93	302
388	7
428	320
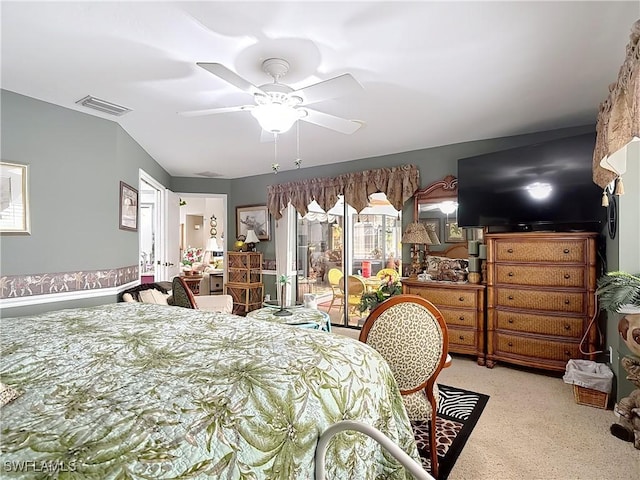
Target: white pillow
127	297
153	296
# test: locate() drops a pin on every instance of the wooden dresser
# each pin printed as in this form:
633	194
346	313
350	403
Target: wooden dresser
540	297
462	306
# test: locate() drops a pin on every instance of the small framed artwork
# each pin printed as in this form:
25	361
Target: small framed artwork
14	198
454	233
253	217
433	226
128	207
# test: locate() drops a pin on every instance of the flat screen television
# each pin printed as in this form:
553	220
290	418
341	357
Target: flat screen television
545	186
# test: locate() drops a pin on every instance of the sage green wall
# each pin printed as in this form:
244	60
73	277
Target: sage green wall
433	163
76	162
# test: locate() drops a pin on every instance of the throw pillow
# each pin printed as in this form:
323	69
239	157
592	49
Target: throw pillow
153	296
127	297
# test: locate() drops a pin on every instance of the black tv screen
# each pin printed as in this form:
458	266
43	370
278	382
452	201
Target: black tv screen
543	186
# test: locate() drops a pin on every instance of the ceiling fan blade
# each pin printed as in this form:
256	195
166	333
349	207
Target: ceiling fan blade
332	122
231	77
334	87
214	111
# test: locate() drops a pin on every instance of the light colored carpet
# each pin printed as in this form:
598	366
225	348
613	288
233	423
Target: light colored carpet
532	429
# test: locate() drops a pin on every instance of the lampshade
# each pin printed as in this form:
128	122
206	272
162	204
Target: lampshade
433	236
251	237
275	117
416	233
212	245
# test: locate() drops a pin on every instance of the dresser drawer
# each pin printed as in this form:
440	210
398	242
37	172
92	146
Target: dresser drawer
541	300
461	337
539	324
446	297
453	316
563	276
542	250
533	347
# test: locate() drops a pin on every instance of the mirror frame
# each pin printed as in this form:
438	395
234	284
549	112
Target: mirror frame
444	189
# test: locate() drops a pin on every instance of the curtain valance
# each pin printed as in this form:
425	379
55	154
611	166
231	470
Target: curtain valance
398	183
619	115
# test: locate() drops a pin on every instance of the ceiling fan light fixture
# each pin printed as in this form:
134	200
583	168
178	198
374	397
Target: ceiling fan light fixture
275	117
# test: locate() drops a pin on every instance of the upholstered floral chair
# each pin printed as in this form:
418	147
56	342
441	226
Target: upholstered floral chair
411	334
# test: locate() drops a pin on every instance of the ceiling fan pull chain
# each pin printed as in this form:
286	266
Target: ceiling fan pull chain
275	166
298	160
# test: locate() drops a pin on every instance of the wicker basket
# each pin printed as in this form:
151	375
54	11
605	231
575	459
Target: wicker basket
592	398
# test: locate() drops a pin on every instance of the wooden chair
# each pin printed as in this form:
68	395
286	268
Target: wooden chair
356	287
411	334
333	276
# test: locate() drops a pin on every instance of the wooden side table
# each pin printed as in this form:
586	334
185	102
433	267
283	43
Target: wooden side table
193	282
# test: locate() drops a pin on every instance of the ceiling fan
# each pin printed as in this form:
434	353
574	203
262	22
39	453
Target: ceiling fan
277	106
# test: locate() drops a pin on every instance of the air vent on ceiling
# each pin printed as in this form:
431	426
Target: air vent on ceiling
209	174
103	106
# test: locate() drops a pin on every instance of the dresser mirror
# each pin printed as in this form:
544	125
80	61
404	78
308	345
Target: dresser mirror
436	207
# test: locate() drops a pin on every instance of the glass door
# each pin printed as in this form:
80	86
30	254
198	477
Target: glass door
342	242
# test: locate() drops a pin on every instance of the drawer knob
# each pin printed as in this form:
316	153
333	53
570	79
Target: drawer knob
461	299
461	337
510	344
567	353
566	250
510	320
511	274
567	302
567	276
461	318
567	327
510	297
510	250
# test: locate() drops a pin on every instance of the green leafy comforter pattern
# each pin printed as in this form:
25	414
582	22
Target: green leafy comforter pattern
142	391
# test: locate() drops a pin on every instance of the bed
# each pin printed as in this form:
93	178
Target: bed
134	390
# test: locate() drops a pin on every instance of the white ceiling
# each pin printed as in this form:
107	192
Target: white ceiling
433	73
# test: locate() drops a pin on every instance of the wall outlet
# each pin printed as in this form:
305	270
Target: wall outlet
610	355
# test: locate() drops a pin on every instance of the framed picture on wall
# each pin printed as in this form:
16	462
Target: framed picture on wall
14	198
454	233
253	217
434	225
128	207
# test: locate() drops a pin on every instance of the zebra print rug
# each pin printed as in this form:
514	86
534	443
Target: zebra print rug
458	413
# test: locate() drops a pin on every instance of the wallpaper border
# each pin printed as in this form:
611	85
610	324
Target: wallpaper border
33	285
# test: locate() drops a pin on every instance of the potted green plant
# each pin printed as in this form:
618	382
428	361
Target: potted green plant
618	290
283	281
388	288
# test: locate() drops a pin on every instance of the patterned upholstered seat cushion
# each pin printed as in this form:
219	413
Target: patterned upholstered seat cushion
409	337
181	295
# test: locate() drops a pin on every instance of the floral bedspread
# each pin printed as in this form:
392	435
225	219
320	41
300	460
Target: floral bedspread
142	391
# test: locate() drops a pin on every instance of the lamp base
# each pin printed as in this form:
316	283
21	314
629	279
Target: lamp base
282	313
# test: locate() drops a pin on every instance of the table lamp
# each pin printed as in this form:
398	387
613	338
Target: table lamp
251	240
416	234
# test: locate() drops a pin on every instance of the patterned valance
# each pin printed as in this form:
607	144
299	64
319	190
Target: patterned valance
619	115
398	183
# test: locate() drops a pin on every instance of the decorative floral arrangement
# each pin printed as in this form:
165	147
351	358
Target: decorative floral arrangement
191	255
388	288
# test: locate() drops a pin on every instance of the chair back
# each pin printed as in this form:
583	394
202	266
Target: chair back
411	334
356	285
386	272
182	294
334	275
